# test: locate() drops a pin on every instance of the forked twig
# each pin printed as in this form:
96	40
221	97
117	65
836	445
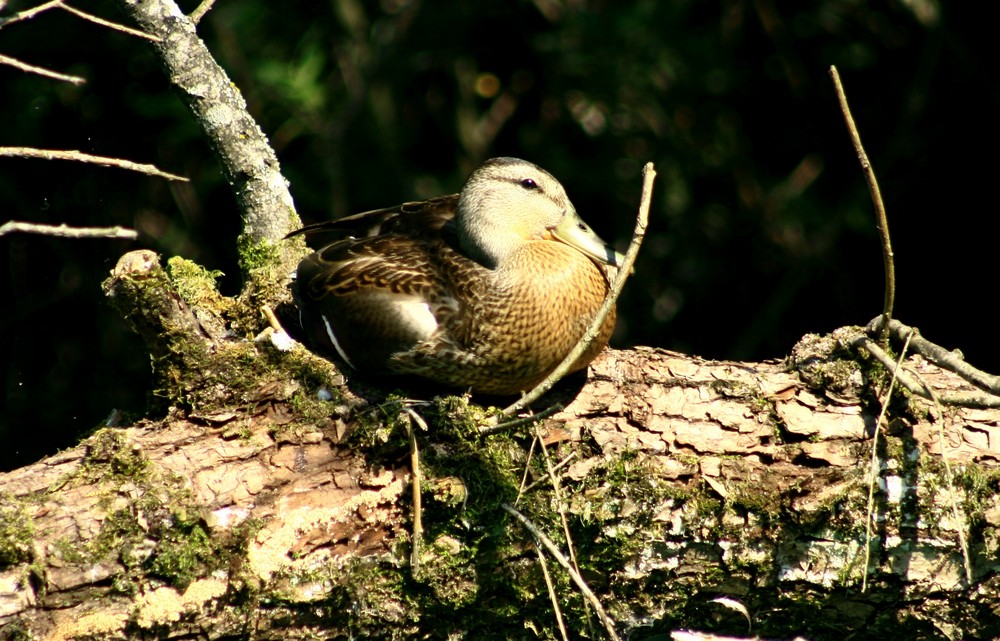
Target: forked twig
956	511
107	23
552	592
908	380
949	360
27	14
557	491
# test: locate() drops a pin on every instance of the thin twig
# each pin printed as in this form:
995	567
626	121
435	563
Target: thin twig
41	71
28	14
557	491
560	558
949	360
956	512
555	468
486	430
873	470
906	379
648	175
560	506
418	522
552	592
65	231
201	10
56	154
880	218
106	23
527	469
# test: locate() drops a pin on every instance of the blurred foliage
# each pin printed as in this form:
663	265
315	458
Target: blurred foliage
761	229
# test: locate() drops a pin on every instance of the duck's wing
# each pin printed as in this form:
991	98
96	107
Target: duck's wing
419	219
390	263
386	290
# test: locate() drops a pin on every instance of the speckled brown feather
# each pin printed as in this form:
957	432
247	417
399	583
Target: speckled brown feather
494	334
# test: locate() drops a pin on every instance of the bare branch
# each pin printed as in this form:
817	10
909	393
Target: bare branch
880	218
873	469
201	10
949	360
28	14
552	593
906	379
56	154
65	231
249	163
41	71
105	23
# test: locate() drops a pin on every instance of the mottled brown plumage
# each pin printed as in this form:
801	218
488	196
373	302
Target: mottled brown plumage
488	289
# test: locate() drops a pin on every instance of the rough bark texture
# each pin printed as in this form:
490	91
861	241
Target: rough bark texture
273	502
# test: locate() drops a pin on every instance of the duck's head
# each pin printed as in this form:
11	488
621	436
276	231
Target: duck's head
508	202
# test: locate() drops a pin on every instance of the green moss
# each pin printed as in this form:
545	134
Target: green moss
256	255
150	524
184	552
981	485
196	285
17	530
110	455
448	568
381	427
456	416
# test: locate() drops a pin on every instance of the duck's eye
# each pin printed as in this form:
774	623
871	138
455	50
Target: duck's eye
529	184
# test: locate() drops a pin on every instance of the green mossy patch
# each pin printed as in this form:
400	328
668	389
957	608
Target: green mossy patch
197	285
17	531
151	528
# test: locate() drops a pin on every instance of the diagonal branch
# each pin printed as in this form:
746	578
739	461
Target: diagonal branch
60	154
248	161
41	71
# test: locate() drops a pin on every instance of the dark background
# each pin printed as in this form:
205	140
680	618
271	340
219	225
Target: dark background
761	227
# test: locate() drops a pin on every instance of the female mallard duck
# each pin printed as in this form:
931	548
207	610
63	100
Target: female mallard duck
488	289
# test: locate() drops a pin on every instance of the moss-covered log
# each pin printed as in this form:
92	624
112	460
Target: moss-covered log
273	502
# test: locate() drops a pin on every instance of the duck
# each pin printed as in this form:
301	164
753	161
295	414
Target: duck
485	291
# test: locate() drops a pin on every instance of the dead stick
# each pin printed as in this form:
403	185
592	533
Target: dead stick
560	558
881	221
60	154
65	231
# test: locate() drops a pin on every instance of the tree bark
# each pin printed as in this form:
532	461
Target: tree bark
279	505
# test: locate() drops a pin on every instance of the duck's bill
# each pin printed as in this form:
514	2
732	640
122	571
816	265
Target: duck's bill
576	233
